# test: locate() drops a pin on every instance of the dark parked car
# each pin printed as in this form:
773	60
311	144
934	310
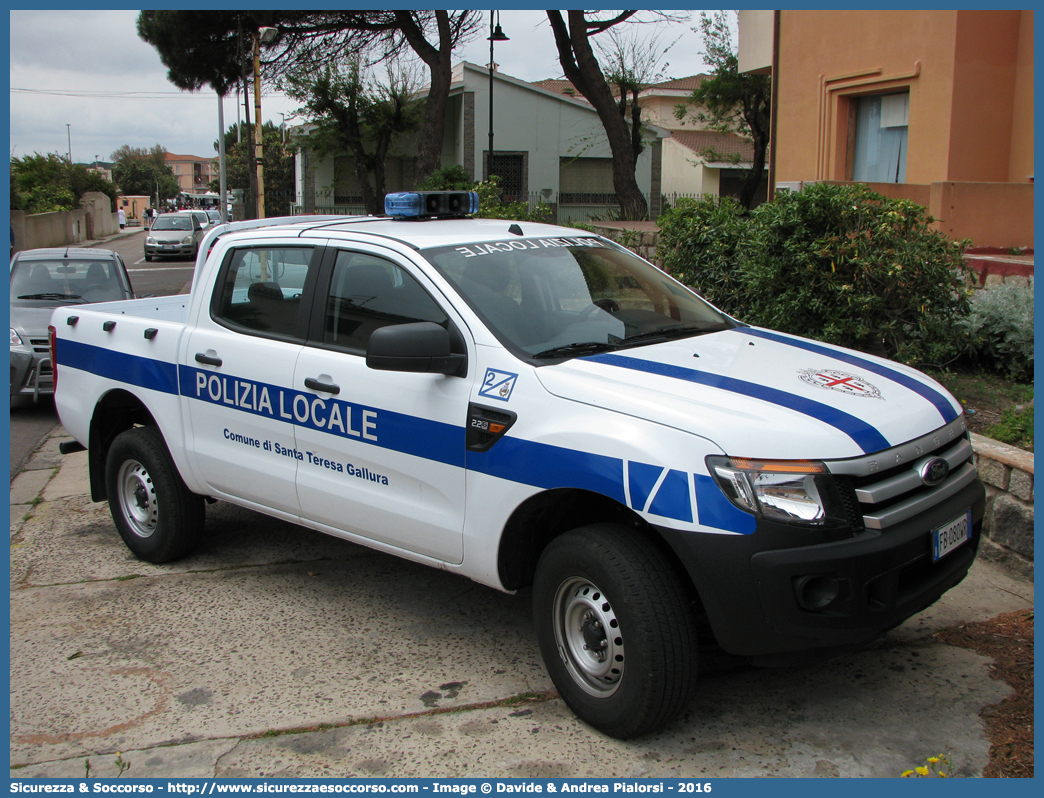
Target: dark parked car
175	235
42	280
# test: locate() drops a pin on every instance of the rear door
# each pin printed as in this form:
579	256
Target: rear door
383	451
237	372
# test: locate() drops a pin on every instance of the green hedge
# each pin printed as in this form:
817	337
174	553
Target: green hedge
840	264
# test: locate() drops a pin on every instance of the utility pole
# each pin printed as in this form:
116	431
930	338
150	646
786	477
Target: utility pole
221	159
265	35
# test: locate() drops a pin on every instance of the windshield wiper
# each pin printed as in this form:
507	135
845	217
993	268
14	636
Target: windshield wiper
667	333
583	347
671	332
50	296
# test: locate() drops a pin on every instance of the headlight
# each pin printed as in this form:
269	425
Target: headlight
15	340
791	491
186	240
150	240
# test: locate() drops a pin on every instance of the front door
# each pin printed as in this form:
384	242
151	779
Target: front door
383	451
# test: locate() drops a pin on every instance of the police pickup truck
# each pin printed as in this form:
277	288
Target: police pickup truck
530	405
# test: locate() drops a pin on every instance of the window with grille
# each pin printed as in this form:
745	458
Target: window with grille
511	168
586	181
399	175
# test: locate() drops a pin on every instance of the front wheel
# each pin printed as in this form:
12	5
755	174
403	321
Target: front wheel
616	628
157	516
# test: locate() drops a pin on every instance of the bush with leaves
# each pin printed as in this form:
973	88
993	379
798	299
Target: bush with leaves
1000	330
47	183
700	245
838	263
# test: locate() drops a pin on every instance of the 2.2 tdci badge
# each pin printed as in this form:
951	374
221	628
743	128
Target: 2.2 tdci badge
834	380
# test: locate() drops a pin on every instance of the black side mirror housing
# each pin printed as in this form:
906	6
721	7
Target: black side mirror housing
422	347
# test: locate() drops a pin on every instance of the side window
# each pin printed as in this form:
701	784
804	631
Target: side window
262	289
367	293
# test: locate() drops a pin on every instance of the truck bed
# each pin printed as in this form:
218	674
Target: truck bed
163	308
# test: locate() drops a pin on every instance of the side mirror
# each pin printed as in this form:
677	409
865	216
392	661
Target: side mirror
422	347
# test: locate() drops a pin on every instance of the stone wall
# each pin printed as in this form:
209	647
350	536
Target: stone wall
639	237
1007	534
93	219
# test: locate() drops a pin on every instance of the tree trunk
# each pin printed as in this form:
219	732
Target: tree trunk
750	184
438	61
582	70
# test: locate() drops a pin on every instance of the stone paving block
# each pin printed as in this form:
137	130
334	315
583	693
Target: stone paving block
993	473
27	486
71	480
1021	484
1013	524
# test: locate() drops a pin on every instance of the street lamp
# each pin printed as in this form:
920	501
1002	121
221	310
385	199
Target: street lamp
68	130
496	35
263	36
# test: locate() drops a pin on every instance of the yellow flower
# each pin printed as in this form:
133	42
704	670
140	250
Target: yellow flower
907	774
933	760
922	771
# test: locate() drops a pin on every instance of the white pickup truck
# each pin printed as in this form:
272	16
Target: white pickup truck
525	404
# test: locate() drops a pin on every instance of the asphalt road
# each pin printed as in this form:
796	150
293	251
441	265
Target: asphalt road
160	277
30	424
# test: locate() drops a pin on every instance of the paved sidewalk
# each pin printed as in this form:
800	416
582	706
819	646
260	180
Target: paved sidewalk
101	242
276	651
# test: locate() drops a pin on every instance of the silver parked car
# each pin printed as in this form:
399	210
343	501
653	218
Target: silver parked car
175	235
42	280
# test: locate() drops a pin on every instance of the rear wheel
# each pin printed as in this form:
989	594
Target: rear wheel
616	629
157	516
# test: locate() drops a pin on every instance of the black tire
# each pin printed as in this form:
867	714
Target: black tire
157	516
148	258
607	577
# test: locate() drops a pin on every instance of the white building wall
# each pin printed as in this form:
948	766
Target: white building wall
541	123
684	173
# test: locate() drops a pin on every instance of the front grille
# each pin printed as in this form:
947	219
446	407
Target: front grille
40	344
887	485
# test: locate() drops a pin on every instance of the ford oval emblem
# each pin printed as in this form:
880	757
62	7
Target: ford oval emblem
934	471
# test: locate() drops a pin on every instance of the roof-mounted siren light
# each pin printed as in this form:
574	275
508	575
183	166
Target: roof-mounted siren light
431	204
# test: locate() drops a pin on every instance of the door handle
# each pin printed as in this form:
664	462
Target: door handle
210	361
325	387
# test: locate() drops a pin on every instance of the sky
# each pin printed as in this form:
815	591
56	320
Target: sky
83	81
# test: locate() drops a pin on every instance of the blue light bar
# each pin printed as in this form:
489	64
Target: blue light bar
431	204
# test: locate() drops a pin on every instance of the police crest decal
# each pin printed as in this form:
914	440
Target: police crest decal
834	380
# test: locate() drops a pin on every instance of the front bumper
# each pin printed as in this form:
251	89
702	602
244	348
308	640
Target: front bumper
751	585
170	249
31	374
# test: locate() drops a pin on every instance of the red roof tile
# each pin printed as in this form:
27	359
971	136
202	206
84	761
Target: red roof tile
724	144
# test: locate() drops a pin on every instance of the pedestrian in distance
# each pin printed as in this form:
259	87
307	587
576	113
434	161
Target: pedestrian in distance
123	218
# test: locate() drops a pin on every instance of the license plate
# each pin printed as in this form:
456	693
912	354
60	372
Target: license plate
167	246
949	536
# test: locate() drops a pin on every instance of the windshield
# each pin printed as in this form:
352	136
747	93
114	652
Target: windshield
173	223
66	281
564	297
